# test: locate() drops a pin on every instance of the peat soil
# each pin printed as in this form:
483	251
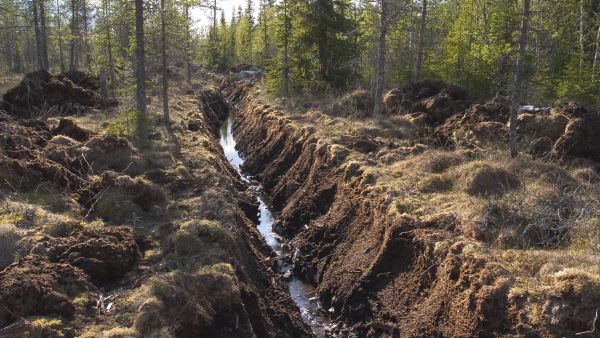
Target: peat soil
381	274
209	271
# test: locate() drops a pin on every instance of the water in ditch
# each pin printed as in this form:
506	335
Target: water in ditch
302	293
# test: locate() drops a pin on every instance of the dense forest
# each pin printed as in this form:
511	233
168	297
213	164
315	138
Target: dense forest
312	46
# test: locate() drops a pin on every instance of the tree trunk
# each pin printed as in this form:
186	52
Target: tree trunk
86	45
44	35
38	35
265	35
108	76
581	40
517	88
60	41
74	57
380	75
421	41
188	47
286	63
9	54
165	70
140	67
595	63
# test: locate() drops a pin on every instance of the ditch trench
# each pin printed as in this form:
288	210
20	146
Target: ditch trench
303	294
354	268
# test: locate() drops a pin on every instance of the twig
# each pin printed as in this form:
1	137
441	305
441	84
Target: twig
593	330
95	202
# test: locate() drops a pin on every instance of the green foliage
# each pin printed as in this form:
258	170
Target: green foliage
125	123
331	44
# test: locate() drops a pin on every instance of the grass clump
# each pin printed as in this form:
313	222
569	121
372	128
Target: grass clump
435	183
203	302
61	226
485	179
437	161
203	242
46	327
9	244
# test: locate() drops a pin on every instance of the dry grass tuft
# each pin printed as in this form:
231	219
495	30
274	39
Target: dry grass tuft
9	244
484	179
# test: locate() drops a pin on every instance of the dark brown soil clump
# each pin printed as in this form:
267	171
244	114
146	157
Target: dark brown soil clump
35	286
41	94
103	254
68	128
435	100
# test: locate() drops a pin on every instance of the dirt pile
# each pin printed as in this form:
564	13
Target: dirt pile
67	127
477	125
41	94
565	132
580	137
35	286
104	254
31	155
23	162
83	79
118	198
429	101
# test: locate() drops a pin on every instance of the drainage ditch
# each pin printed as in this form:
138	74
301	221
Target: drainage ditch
303	294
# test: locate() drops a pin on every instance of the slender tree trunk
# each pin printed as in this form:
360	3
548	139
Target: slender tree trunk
595	62
9	54
581	40
44	35
30	59
421	41
265	35
74	57
517	88
380	64
165	70
38	36
18	64
107	77
188	48
140	67
286	37
214	34
86	46
61	57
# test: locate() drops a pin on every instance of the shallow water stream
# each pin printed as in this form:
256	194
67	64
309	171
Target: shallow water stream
303	294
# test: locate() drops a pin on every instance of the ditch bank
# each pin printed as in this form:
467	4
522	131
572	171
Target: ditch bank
378	271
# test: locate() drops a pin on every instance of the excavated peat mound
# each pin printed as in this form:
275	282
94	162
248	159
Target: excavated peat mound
382	273
41	95
452	118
